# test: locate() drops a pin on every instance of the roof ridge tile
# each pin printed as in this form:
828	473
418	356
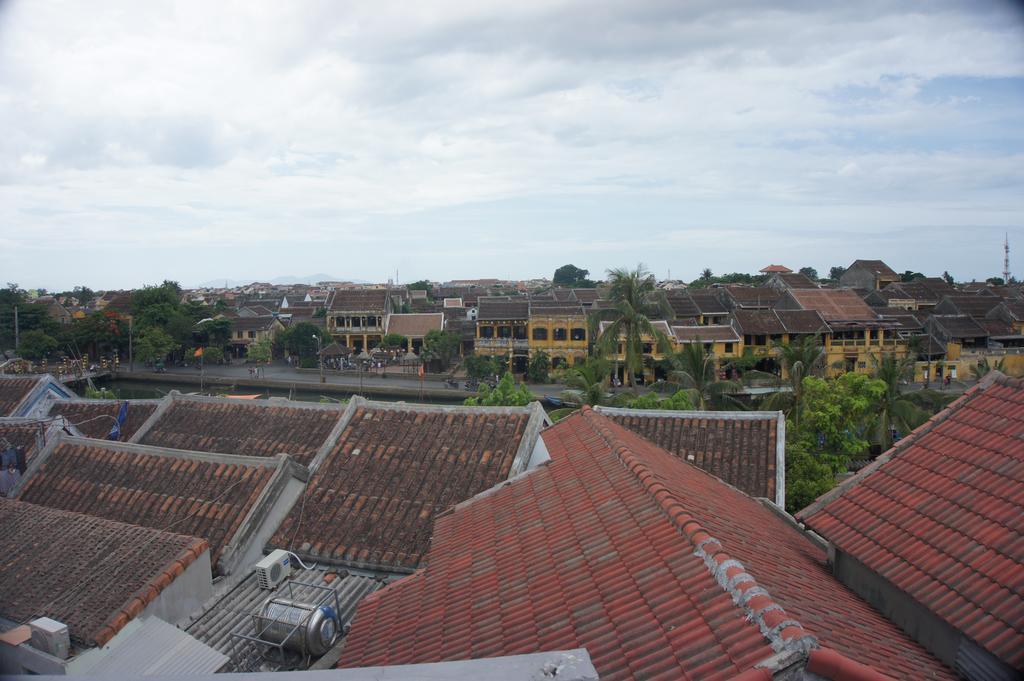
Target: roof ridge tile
782	631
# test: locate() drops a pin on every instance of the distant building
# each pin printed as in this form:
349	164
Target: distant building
868	274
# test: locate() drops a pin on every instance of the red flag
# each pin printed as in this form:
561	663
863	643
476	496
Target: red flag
199	352
421	371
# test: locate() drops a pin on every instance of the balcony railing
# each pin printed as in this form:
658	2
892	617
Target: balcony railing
508	343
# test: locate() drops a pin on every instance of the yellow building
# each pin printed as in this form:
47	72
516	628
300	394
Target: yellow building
559	329
248	330
502	329
761	330
358	318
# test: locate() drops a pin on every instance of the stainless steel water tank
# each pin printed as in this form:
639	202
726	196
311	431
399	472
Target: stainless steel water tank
305	628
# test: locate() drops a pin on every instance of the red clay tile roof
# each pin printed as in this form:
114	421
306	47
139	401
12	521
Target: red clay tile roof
92	574
741	449
194	495
776	268
13	391
834	304
619	547
415	325
95	418
941	516
254	428
373	500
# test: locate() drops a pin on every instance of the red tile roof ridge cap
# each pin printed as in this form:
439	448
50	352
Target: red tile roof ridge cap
842	488
835	666
781	630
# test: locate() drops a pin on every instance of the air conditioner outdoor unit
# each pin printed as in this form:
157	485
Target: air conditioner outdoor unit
51	636
273	569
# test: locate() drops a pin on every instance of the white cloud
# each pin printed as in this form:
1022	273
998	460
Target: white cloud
234	126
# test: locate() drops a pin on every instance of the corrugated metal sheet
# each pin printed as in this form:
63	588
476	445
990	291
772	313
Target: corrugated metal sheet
233	612
158	648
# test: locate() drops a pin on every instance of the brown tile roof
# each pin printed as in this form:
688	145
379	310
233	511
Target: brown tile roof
752	296
758	322
941	516
586	295
707	303
742	449
13	390
249	428
997	328
501	309
366	300
834	304
186	492
682	304
372	502
796	280
802	321
976	306
415	325
874	266
956	326
555	308
94	418
92	574
705	334
252	323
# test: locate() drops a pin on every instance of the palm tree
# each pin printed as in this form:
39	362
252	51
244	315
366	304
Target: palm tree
799	359
894	410
694	369
588	381
706	275
632	294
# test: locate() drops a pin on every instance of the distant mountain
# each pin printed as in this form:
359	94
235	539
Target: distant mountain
282	281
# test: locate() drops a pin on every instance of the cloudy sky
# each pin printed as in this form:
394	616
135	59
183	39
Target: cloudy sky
196	141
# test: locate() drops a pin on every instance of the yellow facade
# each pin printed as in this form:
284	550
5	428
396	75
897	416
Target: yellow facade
562	337
852	350
500	338
361	331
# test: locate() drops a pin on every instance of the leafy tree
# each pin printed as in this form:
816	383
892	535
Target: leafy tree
706	275
893	411
679	401
909	275
539	368
261	351
948	278
694	369
482	366
393	341
995	281
631	292
213	354
505	394
421	285
440	347
834	273
573	277
36	345
214	332
831	431
99	393
810	273
154	344
301	339
799	359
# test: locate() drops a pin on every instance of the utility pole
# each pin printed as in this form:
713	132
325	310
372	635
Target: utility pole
15	327
131	349
1006	260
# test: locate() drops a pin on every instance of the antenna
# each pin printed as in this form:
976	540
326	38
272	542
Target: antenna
1006	259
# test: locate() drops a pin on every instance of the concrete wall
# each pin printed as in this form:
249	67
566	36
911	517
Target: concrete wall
185	594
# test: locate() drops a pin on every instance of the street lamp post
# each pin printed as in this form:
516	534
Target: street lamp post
320	358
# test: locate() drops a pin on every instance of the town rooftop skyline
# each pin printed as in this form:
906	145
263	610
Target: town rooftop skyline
195	142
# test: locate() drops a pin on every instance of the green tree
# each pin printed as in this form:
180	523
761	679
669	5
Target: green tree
587	382
810	273
36	345
215	332
261	351
154	344
505	394
948	278
539	368
980	369
909	275
482	366
694	369
679	401
440	347
832	430
632	295
706	275
893	410
301	339
393	341
213	354
799	359
835	272
573	277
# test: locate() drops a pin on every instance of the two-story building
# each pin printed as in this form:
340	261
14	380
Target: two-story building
358	318
246	331
502	329
762	330
559	329
869	275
